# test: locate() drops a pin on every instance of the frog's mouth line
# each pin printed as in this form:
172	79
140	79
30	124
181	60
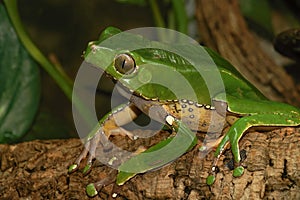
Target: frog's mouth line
127	93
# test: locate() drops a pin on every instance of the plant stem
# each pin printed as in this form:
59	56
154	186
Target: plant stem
181	15
158	19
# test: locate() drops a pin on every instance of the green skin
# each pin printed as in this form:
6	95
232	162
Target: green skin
242	99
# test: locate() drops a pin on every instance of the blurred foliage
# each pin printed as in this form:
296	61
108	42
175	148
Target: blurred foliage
166	13
258	12
278	22
268	17
19	84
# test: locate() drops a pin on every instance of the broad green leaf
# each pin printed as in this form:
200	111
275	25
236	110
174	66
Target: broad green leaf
19	84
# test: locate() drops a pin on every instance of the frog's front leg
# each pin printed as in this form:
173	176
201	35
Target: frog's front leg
237	130
119	116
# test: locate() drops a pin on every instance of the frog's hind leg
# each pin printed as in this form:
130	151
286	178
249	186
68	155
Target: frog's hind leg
237	130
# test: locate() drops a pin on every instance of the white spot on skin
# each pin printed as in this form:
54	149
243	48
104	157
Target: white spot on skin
190	102
114	195
199	105
170	120
207	106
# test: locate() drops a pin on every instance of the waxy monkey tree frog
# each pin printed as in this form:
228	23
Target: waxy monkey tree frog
239	104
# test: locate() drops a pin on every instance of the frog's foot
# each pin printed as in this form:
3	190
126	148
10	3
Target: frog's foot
238	171
89	147
219	152
212	177
74	167
92	189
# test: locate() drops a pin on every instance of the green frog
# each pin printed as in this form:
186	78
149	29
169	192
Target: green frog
239	104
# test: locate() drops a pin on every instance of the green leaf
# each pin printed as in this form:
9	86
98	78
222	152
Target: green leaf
135	2
259	13
19	84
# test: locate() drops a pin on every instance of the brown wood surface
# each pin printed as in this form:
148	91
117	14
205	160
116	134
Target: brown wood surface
38	170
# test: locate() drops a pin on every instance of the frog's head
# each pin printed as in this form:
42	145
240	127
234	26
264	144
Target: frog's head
144	67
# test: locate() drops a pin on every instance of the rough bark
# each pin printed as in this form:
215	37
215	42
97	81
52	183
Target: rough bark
38	170
222	28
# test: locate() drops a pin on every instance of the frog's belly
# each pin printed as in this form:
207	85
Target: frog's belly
197	116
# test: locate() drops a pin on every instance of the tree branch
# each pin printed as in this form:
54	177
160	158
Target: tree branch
38	170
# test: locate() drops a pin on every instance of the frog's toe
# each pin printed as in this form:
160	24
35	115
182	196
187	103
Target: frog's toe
210	179
91	190
87	168
73	168
238	171
92	153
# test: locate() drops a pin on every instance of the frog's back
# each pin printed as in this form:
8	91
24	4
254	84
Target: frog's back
210	77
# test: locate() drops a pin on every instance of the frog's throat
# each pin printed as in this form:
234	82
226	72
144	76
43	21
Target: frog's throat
124	91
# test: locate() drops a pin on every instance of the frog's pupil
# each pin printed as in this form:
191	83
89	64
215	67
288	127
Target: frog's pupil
123	64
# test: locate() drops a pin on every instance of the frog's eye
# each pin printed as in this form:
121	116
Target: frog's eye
124	63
